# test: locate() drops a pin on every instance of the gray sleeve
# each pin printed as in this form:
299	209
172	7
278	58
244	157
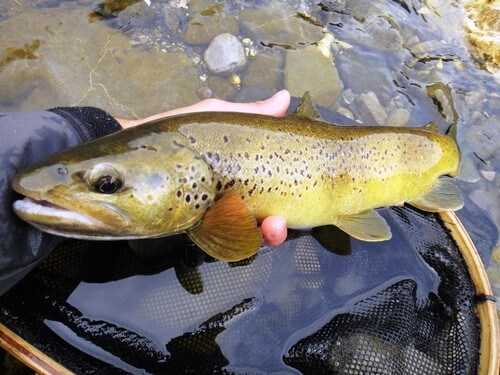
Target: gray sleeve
27	138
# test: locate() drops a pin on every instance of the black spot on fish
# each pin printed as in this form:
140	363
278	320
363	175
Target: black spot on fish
226	139
195	185
196	197
219	185
250	192
188	198
229	184
192	139
204	197
203	179
245	182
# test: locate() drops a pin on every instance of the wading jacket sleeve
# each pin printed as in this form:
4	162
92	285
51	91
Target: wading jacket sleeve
27	138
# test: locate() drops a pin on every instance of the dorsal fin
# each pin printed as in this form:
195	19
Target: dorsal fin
432	127
306	108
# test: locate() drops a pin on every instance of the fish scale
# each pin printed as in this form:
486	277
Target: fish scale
312	174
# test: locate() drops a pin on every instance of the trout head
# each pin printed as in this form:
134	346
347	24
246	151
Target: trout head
124	186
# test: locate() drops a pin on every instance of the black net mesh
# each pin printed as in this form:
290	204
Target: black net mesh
400	307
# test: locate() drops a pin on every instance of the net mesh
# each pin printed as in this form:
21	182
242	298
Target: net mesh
402	307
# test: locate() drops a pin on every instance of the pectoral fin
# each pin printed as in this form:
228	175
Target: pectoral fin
228	231
432	127
366	226
445	196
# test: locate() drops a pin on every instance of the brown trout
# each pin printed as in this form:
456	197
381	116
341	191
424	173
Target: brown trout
215	175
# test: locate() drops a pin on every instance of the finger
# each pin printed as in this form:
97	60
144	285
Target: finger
274	230
276	105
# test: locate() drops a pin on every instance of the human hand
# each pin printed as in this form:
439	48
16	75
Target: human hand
273	228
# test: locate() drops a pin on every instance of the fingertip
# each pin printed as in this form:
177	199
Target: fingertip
274	230
280	102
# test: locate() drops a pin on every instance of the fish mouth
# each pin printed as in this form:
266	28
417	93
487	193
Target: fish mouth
56	219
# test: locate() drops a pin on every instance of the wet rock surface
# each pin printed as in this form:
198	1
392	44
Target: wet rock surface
279	25
483	31
208	20
82	63
307	69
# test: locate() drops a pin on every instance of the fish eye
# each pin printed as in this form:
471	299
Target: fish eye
104	179
108	184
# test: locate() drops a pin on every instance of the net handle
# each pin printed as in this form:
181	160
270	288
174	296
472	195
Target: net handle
489	352
29	355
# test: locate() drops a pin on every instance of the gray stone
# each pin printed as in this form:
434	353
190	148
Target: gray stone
70	61
398	118
383	33
307	69
370	108
225	54
364	71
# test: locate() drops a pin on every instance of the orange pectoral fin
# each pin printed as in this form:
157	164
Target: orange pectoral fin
228	231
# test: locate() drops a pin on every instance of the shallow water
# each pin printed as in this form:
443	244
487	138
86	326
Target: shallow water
399	63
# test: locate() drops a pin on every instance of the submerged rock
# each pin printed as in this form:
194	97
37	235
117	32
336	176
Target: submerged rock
370	109
398	118
207	21
307	69
225	54
280	26
265	70
221	87
441	95
483	31
78	62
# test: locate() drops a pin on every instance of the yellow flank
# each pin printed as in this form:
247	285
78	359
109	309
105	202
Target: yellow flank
312	173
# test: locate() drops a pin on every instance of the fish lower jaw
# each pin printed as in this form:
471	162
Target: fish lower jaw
46	215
